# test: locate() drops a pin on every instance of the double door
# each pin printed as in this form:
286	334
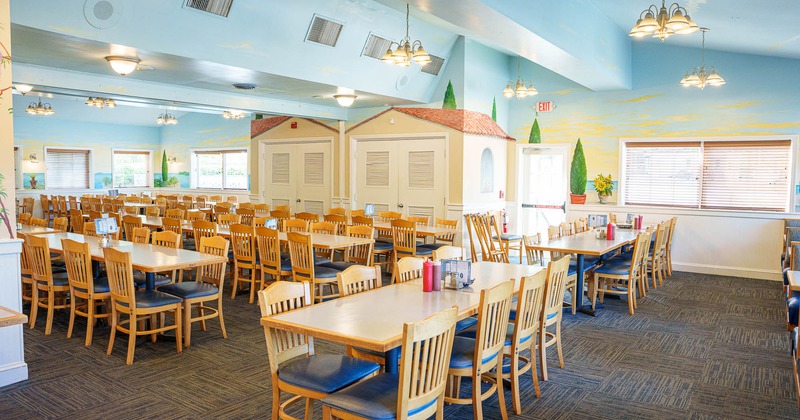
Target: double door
298	175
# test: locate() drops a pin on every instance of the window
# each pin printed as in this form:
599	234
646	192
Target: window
709	174
487	171
222	169
131	168
67	168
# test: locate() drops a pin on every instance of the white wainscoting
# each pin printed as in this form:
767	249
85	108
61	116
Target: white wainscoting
12	351
730	243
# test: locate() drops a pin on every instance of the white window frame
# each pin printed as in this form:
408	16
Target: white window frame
91	166
194	178
149	166
18	179
793	150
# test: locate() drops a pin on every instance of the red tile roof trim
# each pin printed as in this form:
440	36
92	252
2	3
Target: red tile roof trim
258	127
470	122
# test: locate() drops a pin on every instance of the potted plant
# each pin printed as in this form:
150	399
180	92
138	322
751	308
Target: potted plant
604	187
577	176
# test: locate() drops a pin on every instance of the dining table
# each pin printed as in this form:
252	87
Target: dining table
36	230
583	244
374	320
426	230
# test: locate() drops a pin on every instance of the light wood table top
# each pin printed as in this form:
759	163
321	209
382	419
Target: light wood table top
794	280
586	243
147	258
9	317
36	230
426	230
372	320
489	274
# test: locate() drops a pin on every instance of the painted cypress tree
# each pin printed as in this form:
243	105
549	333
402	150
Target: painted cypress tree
164	169
536	135
494	109
449	97
577	172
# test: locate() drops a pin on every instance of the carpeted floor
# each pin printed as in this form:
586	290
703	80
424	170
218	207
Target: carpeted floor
699	347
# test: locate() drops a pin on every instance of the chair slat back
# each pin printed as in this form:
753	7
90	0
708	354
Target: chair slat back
404	238
243	240
361	254
61	224
89	229
262	209
167	238
202	229
228	219
279	297
358	212
141	235
25	218
426	350
247	206
246	216
363	221
493	314
120	278
339	220
172	225
323	227
281	216
449	224
129	223
195	215
532	255
555	287
301	253
269	249
39	260
388	216
93	215
152	212
566	228
213	273
260	221
357	279
38	222
24	262
339	211
295	225
447	252
78	261
308	217
407	268
530	303
469	222
176	214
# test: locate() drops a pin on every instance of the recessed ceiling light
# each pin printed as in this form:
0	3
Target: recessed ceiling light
244	86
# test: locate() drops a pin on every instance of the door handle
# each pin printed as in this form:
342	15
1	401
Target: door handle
400	205
298	200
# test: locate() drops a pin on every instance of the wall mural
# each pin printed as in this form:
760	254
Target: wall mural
33	181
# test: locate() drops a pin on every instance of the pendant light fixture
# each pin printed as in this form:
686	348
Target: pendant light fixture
702	76
166	119
406	51
662	22
39	109
232	114
101	102
519	90
123	65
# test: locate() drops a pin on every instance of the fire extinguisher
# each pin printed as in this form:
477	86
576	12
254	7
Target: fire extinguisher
505	222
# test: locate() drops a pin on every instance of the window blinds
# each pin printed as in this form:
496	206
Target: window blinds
663	174
67	168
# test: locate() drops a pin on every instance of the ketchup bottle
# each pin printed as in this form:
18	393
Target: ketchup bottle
610	231
427	276
437	276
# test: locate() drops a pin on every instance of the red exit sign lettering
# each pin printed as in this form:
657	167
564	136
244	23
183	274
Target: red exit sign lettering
545	106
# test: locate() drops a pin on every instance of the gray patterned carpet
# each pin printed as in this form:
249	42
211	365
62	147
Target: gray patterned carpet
700	347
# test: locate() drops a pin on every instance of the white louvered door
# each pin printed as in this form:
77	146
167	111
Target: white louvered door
376	175
298	174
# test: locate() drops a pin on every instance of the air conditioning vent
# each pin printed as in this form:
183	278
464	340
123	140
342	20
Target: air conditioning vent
217	7
435	66
324	31
376	46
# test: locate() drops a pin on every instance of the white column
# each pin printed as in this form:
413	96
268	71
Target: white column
12	352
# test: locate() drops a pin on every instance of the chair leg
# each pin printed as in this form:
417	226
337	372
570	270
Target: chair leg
235	283
114	320
221	321
309	409
187	324
515	403
252	285
543	352
575	298
178	329
558	345
477	404
501	397
50	303
71	316
535	371
90	319
276	401
131	339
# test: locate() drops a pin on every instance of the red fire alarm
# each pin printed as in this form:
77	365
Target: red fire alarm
294	124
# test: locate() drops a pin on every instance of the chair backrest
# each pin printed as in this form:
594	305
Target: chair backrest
140	235
174	214
215	198
641	247
281	216
469	220
152	212
447	223
404	238
301	253
202	229
579	226
38	222
260	221
173	225
323	227
279	297
246	215
530	303
222	208
39	259
89	229
295	225
612	218
269	249
553	232
358	212
200	202
120	278
339	220
27	205
407	268
95	215
340	211
283	207
362	220
213	273
426	349
167	239
309	217
243	240
125	209
533	256
24	262
129	223
447	252
61	223
490	333
227	219
357	279
565	228
232	199
76	218
419	220
361	254
247	206
195	215
487	227
555	288
118	218
78	260
262	209
25	218
388	216
118	205
660	244
672	222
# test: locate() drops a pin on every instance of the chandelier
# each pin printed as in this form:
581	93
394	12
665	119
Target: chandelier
39	109
406	51
166	119
101	102
702	76
232	115
663	22
519	87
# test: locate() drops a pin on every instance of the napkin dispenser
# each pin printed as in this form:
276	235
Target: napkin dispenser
456	274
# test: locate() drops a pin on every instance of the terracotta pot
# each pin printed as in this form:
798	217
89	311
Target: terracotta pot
577	198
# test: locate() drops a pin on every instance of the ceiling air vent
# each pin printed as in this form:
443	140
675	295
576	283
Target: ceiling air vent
324	31
435	66
376	46
217	7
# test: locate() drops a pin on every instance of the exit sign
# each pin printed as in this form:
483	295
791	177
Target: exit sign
545	106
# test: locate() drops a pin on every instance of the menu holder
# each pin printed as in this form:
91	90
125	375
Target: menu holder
105	226
369	209
456	274
598	220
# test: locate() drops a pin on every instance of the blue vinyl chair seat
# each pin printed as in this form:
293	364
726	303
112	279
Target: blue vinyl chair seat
374	398
326	372
286	264
434	246
508	237
793	307
338	265
466	323
100	286
59	279
509	334
322	272
382	246
190	289
154	299
464	353
321	260
424	251
160	280
613	268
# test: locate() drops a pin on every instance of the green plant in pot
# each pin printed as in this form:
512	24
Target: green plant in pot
577	176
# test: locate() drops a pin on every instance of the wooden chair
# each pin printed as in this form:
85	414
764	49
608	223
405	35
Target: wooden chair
620	278
260	221
246	206
281	216
89	229
25	218
94	215
176	214
566	229
206	288
491	250
656	260
215	198
474	358
61	224
25	273
50	290
357	279
533	256
227	219
339	221
200	202
38	222
448	252
339	211
449	224
555	287
269	255
295	225
261	209
173	225
419	389
301	252
83	286
283	207
284	349
203	229
404	240
357	212
243	238
232	199
362	221
27	205
152	212
191	216
138	306
140	235
407	268
128	224
668	254
246	216
167	239
308	217
388	216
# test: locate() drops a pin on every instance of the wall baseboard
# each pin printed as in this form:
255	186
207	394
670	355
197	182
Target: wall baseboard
13	373
745	272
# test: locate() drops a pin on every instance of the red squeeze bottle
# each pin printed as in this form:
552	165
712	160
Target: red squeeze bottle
610	231
437	276
427	276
